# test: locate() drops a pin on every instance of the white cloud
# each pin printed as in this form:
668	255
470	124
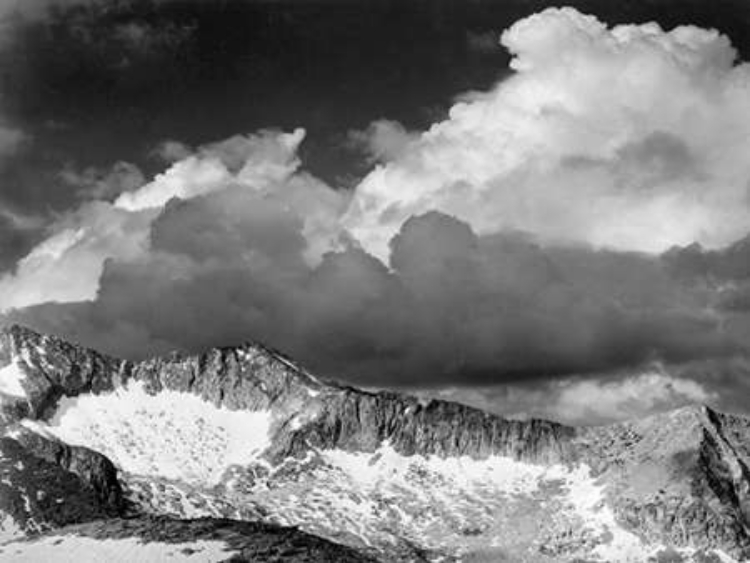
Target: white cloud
594	400
577	145
630	137
171	151
67	265
106	184
383	140
257	161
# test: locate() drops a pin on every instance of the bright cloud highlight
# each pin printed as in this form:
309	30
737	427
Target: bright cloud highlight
630	138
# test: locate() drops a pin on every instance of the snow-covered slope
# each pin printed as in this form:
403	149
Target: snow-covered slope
157	539
77	549
245	434
172	435
11	377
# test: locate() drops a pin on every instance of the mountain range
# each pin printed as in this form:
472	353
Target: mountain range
240	454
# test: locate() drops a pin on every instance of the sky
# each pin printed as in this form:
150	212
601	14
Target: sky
540	211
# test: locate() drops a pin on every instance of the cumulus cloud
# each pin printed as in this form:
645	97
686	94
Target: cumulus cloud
729	264
630	137
94	183
623	399
383	140
68	264
455	307
255	160
504	245
591	400
171	151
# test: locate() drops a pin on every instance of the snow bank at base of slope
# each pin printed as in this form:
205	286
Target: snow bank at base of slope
9	529
587	499
387	465
11	377
172	435
581	498
78	549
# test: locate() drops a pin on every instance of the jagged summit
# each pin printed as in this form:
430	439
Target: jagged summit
243	432
305	410
18	337
255	377
210	373
248	376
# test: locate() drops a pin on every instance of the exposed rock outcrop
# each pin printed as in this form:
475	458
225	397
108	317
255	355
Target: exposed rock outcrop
93	468
253	377
53	368
45	484
358	421
677	479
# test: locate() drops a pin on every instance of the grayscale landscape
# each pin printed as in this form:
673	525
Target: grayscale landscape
181	452
374	281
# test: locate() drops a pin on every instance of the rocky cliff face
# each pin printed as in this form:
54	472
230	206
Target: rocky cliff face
52	368
252	377
414	480
357	421
679	478
59	496
46	484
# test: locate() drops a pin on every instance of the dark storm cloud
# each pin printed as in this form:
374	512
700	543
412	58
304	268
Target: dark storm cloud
121	76
720	265
85	52
450	308
455	308
725	271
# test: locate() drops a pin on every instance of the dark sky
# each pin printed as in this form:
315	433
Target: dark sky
89	90
88	95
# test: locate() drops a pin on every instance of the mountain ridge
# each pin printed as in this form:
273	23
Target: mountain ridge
678	479
253	376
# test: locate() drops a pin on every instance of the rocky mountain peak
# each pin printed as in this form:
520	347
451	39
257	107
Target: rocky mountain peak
245	426
250	377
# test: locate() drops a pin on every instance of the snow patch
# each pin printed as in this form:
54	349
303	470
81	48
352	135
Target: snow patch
11	377
9	529
368	470
586	498
78	549
172	435
464	485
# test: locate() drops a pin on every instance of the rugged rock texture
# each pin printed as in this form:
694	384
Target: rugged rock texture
358	421
94	469
253	377
680	478
248	541
54	368
49	487
45	484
